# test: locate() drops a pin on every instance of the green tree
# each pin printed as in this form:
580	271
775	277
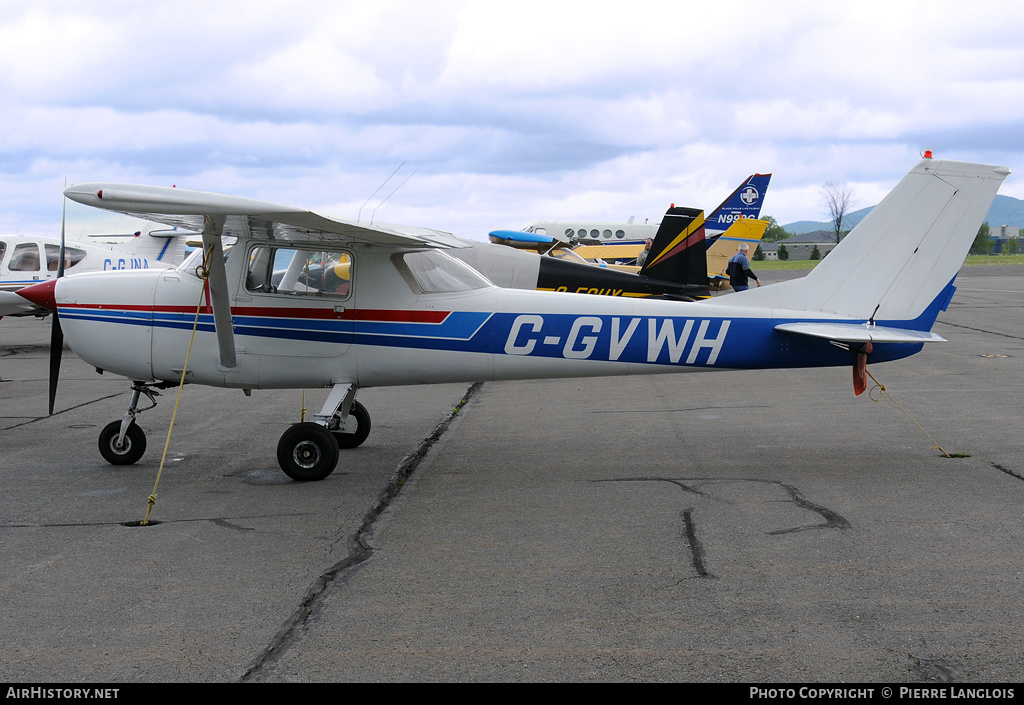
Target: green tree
783	252
815	253
1012	246
982	241
774	232
759	255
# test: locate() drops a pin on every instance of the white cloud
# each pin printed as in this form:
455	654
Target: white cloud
510	113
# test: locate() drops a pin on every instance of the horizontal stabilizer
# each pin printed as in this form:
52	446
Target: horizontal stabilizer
860	333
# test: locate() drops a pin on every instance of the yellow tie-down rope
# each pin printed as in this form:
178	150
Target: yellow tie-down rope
203	272
882	390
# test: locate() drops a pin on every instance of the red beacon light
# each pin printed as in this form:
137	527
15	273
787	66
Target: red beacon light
927	154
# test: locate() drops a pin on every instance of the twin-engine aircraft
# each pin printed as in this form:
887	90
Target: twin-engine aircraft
744	202
25	261
301	300
676	267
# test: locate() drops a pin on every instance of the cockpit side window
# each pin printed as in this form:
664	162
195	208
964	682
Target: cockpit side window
295	272
72	256
25	258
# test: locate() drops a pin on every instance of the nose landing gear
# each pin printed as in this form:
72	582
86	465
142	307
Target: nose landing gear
123	442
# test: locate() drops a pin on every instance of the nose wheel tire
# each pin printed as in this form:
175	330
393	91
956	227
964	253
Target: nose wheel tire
307	452
130	450
356	429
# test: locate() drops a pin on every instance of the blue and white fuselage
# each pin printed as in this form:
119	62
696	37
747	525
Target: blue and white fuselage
305	301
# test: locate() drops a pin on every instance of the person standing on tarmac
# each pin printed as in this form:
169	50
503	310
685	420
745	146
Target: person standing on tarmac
739	270
642	257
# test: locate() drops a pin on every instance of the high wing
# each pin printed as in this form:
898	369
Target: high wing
218	215
244	216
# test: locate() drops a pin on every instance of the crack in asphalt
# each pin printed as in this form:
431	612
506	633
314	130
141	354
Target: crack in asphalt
219	521
673	481
1008	471
667	411
12	350
980	330
833	520
935	670
696	548
62	411
359	550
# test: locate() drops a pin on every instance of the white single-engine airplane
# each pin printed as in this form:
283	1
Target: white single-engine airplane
273	316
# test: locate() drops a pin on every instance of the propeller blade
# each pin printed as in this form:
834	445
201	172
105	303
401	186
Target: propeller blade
56	334
56	350
63	210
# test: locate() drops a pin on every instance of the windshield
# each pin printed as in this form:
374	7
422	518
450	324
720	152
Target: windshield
432	272
195	260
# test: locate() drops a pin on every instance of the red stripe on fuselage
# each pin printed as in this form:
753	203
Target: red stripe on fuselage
362	314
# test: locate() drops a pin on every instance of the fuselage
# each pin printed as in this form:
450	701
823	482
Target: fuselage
595	230
410	317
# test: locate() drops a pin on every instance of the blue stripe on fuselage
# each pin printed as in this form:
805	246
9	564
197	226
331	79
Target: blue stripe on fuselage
738	343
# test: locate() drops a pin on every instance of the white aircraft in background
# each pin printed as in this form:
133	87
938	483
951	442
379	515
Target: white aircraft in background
275	316
744	202
25	261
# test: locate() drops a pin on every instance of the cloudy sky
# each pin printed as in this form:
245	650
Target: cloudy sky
503	113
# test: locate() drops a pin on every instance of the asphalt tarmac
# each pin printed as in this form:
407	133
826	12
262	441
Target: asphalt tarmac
738	527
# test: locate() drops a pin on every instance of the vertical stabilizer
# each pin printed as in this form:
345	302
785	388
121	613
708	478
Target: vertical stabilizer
898	261
744	202
678	253
166	247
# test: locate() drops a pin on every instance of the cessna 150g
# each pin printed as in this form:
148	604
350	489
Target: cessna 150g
409	313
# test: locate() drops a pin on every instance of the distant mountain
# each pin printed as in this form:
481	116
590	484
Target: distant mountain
809	226
1005	210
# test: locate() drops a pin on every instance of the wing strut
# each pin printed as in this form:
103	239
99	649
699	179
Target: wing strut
218	293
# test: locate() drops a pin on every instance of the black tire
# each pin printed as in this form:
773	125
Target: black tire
307	452
351	437
133	448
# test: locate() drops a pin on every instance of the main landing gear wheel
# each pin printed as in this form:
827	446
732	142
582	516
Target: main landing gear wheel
130	450
356	429
307	451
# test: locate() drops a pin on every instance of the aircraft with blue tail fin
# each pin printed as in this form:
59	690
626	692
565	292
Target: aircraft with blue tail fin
410	313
